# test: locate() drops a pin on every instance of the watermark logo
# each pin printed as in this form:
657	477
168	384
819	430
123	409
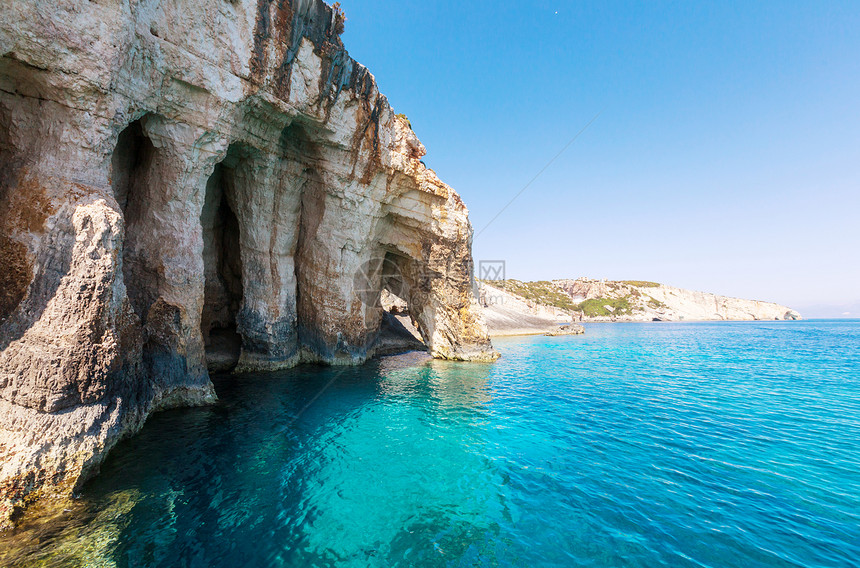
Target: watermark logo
492	273
491	270
408	282
374	275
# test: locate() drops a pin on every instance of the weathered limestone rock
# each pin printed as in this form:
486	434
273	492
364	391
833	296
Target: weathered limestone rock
650	301
571	329
196	186
507	313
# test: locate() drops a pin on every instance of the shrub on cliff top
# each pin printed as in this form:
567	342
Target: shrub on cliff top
339	18
542	292
640	283
405	119
597	307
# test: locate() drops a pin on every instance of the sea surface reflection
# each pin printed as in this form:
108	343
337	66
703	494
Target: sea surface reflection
634	445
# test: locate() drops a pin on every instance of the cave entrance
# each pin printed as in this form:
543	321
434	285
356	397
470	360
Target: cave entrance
132	168
222	264
398	330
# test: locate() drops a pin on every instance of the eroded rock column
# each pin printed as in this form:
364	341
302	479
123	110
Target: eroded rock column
250	268
158	168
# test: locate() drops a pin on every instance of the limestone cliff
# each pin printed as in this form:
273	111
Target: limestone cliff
603	300
508	313
536	305
192	186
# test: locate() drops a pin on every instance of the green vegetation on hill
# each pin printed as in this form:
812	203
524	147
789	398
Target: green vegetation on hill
640	283
655	303
543	292
405	118
598	307
549	294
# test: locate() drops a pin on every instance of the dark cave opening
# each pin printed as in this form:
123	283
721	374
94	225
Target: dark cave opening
18	271
132	168
222	262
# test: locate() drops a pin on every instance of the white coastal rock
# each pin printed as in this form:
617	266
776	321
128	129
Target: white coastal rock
193	186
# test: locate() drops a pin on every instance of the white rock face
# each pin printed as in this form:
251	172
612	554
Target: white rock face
186	186
652	301
510	314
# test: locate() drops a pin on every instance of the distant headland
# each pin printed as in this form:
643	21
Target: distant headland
513	307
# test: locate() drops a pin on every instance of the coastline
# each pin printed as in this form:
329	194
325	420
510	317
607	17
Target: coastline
543	331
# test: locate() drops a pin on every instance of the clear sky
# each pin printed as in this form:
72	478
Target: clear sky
726	156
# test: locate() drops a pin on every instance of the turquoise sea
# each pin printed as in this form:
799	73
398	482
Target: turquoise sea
700	445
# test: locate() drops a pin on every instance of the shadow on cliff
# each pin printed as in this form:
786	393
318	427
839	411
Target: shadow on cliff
41	278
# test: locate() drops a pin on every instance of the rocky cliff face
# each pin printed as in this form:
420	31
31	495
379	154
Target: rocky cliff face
187	187
507	313
649	301
512	307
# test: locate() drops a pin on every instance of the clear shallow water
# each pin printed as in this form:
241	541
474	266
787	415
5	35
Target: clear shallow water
634	445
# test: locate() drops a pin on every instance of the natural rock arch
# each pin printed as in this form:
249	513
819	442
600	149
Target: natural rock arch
399	329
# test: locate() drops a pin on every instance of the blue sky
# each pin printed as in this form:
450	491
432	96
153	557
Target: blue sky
726	156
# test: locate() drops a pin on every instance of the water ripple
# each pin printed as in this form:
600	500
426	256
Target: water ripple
704	445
